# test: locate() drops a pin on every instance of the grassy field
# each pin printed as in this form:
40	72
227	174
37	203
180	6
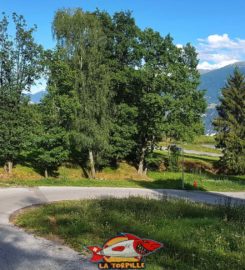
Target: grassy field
204	139
126	176
204	182
195	236
196	147
168	180
192	157
202	144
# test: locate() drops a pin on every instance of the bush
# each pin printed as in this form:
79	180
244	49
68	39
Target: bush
156	163
174	156
197	166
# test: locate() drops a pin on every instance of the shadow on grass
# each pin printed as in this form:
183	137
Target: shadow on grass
182	227
203	158
166	184
176	254
220	177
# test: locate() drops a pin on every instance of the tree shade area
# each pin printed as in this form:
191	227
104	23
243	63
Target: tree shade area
195	236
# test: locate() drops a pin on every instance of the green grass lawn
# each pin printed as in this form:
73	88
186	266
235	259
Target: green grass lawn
204	182
126	176
168	180
204	139
193	146
207	161
201	148
195	236
197	144
192	157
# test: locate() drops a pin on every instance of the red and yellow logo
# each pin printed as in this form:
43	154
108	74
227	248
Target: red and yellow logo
123	252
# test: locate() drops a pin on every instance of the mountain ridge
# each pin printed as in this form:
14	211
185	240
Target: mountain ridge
213	81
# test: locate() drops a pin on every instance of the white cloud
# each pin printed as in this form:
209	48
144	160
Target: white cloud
180	46
40	85
207	65
217	38
217	51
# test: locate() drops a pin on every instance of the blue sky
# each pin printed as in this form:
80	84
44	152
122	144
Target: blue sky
214	27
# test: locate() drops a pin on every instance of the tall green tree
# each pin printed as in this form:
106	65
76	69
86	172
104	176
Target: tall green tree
230	125
20	66
154	87
49	145
168	100
122	56
49	150
81	36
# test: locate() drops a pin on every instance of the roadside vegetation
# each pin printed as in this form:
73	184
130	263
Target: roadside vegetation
199	174
126	175
195	236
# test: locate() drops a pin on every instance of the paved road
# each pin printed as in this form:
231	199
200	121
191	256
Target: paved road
22	251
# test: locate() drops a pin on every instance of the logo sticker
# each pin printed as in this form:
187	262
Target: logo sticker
124	251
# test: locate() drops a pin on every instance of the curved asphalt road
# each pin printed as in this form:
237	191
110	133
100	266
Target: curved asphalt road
22	251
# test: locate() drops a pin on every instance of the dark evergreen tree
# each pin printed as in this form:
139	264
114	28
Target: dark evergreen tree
230	125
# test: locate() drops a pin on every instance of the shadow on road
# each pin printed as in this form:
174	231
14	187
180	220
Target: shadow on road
21	251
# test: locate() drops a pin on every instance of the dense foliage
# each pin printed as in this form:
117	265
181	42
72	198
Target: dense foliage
149	84
114	91
20	66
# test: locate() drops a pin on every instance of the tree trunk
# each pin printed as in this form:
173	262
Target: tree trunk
5	167
142	161
91	161
10	167
152	143
46	173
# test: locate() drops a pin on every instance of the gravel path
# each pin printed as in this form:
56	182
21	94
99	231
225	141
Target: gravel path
22	251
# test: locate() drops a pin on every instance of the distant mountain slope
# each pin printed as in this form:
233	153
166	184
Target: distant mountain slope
36	98
212	81
203	71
